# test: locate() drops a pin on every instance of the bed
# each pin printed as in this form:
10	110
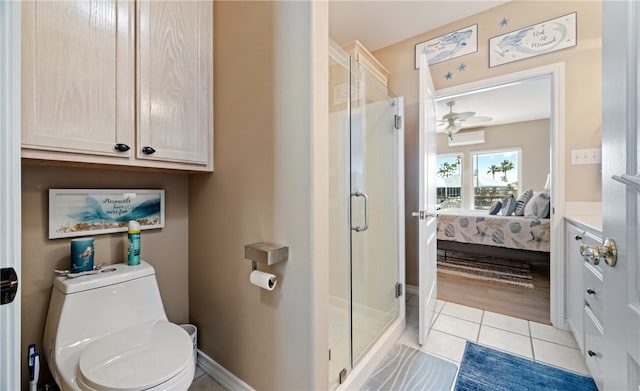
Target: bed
476	231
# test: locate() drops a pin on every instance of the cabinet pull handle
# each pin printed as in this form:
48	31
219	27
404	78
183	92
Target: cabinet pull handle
122	147
578	237
148	150
591	291
591	353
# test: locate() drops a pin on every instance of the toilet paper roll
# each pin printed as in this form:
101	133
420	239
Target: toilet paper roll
264	280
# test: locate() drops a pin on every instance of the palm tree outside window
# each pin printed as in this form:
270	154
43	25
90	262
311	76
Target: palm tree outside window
449	181
486	187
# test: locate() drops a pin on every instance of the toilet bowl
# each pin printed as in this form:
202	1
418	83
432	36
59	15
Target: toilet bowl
109	331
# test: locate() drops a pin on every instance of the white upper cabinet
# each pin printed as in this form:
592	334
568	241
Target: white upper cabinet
175	80
77	76
119	83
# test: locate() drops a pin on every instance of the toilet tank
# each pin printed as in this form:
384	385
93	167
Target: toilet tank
84	308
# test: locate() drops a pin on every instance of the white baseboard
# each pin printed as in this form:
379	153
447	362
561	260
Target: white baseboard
220	374
412	289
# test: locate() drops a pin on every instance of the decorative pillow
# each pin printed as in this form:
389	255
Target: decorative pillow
522	201
495	208
508	205
538	205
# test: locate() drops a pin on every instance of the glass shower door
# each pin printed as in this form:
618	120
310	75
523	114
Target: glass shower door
339	240
374	214
364	213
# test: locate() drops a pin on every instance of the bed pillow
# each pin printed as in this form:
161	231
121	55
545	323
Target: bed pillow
538	205
522	202
495	208
508	205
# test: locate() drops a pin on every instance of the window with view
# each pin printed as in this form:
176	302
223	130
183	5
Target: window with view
449	181
495	175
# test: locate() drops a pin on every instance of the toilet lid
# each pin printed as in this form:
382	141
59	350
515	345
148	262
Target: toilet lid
136	358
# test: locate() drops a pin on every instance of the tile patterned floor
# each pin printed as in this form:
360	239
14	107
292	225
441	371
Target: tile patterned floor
455	324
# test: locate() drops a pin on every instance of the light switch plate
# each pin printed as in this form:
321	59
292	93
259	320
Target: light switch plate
586	156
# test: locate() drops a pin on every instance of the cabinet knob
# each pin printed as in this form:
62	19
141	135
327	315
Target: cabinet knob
122	147
578	237
148	150
591	353
591	291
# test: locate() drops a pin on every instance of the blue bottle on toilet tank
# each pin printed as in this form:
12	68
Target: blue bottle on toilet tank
133	235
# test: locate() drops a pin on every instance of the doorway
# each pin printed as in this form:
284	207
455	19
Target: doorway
555	74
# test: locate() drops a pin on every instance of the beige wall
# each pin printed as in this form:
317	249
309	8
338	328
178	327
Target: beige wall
582	89
264	188
166	249
532	137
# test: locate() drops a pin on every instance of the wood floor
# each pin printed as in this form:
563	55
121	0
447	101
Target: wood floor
524	303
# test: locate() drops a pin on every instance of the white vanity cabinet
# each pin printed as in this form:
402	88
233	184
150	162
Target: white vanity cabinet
584	294
118	83
575	282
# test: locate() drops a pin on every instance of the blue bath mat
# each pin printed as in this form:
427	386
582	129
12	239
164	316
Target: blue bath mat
404	368
486	369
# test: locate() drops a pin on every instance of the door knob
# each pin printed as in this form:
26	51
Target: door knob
606	252
8	285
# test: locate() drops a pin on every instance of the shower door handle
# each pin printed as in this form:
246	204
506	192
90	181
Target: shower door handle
366	211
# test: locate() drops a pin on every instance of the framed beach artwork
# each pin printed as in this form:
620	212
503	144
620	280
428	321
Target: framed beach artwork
546	37
446	47
82	212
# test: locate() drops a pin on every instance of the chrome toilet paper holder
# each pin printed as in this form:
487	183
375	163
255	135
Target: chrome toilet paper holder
266	253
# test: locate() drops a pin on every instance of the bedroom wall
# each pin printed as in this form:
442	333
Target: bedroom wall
533	137
582	89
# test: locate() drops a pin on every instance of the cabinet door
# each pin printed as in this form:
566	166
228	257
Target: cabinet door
575	283
175	81
77	76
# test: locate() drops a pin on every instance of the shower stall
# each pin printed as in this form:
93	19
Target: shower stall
366	273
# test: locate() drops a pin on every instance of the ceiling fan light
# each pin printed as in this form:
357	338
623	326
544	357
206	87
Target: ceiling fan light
452	128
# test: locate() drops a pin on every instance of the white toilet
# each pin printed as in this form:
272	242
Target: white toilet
109	331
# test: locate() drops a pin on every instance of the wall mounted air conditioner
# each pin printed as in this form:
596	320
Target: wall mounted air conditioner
466	138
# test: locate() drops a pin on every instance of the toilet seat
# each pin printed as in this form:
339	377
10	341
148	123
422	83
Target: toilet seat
136	358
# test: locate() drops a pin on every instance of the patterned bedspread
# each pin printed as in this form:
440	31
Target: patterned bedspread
477	226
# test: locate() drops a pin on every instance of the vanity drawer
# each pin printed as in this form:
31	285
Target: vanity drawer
593	344
593	290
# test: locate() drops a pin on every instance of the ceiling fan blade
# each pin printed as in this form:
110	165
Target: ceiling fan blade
464	115
478	119
456	116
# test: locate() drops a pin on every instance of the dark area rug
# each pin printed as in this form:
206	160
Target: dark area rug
404	368
486	268
486	369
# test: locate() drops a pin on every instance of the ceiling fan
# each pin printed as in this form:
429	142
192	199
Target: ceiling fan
453	121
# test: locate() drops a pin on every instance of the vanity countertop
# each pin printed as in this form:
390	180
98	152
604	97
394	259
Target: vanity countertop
587	222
